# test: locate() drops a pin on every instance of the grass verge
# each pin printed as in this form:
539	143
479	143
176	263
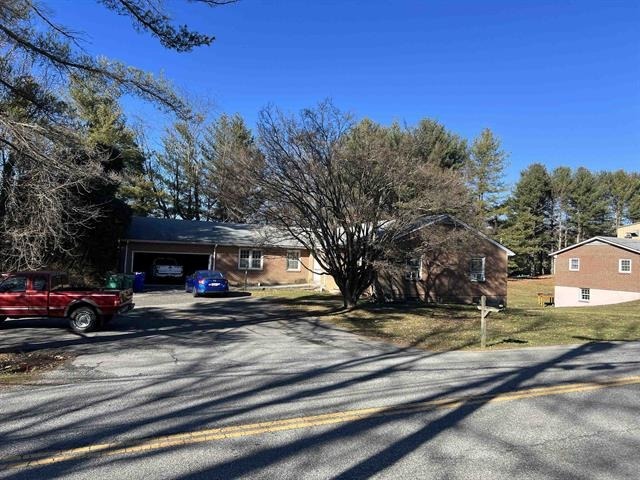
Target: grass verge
453	327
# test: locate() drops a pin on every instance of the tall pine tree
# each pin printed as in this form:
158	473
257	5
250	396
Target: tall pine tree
528	230
484	172
228	149
588	204
561	188
179	171
621	188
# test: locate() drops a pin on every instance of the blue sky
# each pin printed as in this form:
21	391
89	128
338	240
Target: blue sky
557	81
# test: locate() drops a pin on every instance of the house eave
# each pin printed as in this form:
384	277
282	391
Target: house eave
213	244
594	239
456	221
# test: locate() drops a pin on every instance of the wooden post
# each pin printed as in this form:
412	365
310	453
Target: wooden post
483	321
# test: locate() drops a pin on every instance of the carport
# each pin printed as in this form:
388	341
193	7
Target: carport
142	261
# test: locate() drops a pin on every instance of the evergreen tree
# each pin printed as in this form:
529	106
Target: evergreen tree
485	173
107	132
228	149
433	143
588	205
528	230
179	171
621	189
634	203
560	189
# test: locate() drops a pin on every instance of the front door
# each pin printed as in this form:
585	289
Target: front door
317	272
13	296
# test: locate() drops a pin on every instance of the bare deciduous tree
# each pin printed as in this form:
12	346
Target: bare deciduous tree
347	192
42	218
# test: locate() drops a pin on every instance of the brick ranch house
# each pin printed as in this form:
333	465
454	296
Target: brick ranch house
478	266
248	253
599	271
242	252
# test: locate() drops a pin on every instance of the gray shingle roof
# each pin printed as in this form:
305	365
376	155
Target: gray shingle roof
628	243
446	219
632	244
168	230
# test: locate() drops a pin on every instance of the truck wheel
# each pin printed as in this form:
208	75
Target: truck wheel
83	319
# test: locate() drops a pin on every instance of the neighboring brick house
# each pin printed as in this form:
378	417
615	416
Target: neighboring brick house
243	252
598	271
451	274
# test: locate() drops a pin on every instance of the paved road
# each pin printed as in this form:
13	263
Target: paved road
240	388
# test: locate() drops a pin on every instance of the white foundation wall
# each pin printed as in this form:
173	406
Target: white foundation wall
570	297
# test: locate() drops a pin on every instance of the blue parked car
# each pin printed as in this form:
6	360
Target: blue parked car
206	281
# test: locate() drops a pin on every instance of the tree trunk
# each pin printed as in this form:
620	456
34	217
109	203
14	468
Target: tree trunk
5	185
351	289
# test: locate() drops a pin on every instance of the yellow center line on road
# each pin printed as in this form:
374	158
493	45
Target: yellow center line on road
294	423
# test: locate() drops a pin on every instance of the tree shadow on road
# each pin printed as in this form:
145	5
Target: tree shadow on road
232	399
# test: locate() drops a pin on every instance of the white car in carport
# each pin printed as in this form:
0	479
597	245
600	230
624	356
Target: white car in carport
167	268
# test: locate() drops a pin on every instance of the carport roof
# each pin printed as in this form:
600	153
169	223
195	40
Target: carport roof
167	230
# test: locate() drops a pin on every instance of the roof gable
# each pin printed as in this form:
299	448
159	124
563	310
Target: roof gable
448	219
623	243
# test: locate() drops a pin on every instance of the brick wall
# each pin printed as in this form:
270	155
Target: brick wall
598	268
446	277
274	265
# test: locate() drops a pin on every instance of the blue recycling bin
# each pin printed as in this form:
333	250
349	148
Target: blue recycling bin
138	282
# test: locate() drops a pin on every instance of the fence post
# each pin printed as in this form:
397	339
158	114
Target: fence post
483	321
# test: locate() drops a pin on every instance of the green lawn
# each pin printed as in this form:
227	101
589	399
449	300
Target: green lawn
449	327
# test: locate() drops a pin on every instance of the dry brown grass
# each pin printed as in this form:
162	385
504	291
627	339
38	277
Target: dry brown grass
449	327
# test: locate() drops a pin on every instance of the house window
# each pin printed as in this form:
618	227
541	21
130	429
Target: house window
293	260
624	265
585	294
574	264
413	268
250	259
476	269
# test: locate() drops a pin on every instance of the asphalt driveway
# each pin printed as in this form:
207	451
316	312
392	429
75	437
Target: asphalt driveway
240	387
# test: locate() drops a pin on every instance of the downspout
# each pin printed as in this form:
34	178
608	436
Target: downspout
215	247
126	255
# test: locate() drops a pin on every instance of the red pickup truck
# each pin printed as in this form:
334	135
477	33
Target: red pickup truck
49	294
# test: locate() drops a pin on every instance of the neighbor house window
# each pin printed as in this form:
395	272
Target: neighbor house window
585	294
624	265
250	259
476	269
413	268
293	260
574	264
